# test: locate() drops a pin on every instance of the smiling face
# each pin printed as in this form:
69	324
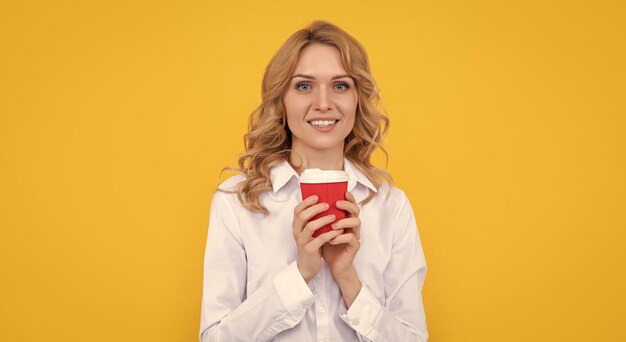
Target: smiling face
321	101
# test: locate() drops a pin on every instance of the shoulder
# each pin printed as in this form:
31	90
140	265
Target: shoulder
231	183
226	193
398	204
392	194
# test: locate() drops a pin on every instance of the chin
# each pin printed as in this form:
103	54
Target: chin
325	147
323	144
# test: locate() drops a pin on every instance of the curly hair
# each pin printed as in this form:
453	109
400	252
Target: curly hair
268	141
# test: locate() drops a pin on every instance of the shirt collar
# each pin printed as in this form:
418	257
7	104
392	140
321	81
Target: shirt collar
356	175
281	173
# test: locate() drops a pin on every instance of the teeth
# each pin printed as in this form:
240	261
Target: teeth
323	123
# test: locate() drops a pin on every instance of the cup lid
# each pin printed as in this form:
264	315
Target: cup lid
317	176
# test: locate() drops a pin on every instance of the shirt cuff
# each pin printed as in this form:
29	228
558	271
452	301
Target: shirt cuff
363	313
293	291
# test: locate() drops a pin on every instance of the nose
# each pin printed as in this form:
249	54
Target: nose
322	101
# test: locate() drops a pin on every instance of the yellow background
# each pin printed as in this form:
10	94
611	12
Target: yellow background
507	134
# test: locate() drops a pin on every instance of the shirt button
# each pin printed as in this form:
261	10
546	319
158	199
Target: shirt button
355	322
319	275
322	309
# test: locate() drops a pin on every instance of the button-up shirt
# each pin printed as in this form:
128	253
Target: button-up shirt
253	290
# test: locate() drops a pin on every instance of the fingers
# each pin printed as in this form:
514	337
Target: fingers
314	225
350	197
350	222
317	243
306	203
350	205
350	239
301	221
304	211
297	211
303	229
313	210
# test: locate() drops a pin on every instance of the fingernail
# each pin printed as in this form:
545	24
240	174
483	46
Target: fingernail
333	226
325	205
332	217
313	198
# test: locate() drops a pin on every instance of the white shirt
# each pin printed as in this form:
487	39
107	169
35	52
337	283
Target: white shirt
253	290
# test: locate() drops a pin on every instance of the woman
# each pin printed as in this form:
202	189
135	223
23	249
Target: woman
266	277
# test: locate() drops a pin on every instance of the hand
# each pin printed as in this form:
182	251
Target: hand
340	251
309	255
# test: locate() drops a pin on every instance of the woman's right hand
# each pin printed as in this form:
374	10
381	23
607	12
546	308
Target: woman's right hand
309	255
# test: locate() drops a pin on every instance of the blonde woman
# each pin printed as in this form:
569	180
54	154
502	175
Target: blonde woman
266	278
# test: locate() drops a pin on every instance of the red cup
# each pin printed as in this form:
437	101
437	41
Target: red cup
329	186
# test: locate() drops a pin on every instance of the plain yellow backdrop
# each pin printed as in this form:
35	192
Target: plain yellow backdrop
507	134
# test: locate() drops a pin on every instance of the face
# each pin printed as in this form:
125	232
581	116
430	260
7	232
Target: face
321	100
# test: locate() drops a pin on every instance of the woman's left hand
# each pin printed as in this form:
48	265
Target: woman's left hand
339	252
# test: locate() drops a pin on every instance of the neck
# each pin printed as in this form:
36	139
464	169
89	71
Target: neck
303	157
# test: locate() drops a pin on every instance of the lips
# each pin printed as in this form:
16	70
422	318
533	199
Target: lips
323	126
323	123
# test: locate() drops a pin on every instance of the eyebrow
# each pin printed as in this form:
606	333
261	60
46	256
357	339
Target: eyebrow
312	78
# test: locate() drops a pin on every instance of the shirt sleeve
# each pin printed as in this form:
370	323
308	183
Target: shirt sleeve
227	315
401	317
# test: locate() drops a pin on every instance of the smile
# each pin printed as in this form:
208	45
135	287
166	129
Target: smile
323	123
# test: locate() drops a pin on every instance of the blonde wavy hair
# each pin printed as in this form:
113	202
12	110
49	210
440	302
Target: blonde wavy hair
268	141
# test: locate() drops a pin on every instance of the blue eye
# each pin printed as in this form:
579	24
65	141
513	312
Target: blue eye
342	86
303	86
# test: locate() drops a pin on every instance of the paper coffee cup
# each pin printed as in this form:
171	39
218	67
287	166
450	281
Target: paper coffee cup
329	186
